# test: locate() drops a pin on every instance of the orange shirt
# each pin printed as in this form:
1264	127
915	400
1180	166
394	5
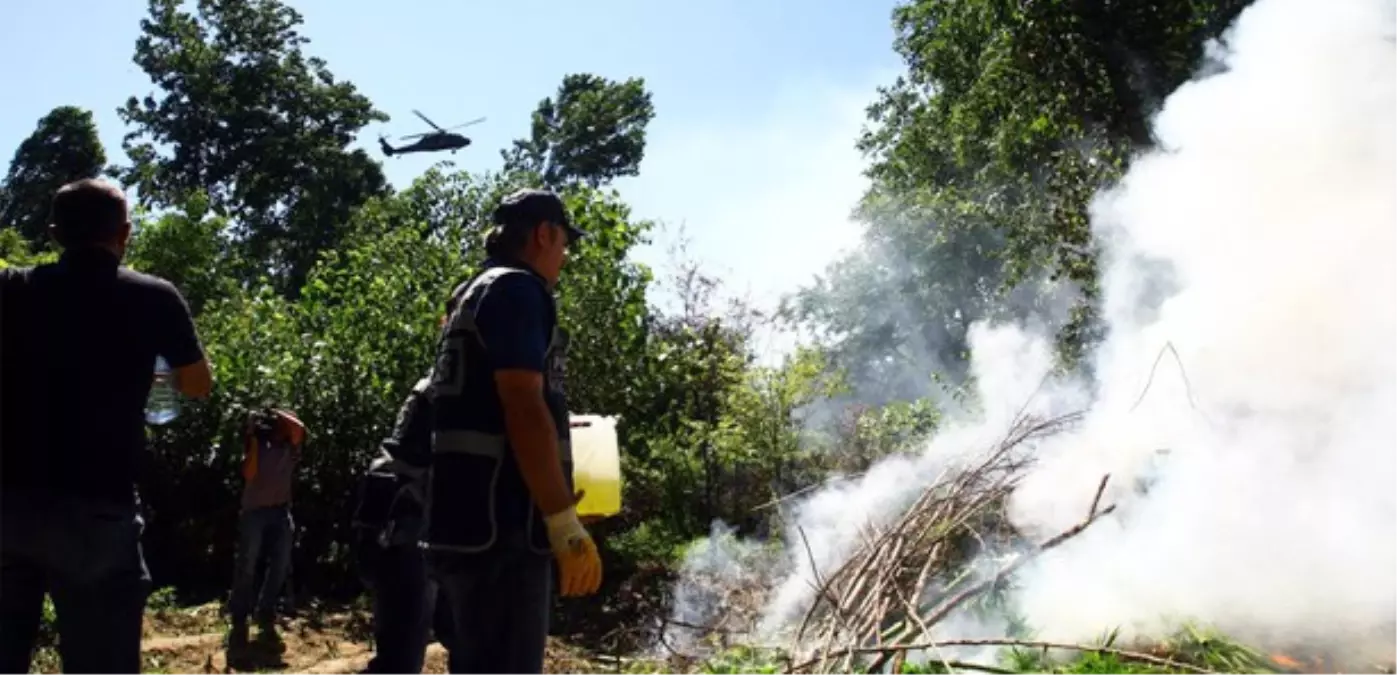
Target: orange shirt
290	428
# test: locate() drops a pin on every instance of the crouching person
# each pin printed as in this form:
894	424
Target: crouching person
273	441
389	520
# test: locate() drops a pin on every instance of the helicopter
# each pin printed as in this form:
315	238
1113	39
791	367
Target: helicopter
441	139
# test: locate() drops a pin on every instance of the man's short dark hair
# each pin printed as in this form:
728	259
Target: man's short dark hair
505	243
86	212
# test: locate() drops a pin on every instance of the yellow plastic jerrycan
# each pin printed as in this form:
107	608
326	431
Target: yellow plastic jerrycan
596	465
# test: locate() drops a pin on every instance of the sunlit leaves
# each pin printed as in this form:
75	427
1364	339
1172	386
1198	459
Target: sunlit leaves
590	133
245	117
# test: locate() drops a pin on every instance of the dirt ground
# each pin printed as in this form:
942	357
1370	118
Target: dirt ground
192	640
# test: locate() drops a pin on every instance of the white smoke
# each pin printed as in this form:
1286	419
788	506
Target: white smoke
1258	244
1272	204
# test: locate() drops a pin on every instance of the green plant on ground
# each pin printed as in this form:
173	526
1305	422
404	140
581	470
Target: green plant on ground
1189	650
743	660
162	600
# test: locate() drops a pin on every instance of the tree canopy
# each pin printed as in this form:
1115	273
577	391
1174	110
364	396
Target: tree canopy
591	132
63	148
985	155
245	117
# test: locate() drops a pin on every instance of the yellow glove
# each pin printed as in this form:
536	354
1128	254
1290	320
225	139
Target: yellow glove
579	564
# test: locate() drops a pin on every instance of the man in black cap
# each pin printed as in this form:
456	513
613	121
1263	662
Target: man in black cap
501	495
80	339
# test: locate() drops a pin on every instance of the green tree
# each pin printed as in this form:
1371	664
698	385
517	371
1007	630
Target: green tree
602	304
344	352
986	154
591	132
255	124
63	148
1031	107
187	248
15	251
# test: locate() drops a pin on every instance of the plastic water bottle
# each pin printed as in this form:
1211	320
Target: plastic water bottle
163	404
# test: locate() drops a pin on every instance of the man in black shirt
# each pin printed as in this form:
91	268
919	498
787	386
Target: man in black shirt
80	339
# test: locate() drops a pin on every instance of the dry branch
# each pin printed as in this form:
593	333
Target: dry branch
907	575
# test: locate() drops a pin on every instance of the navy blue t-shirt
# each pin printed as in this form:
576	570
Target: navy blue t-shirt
517	323
80	339
514	319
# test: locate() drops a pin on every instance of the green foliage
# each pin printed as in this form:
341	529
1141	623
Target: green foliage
1215	651
986	154
1190	649
591	133
15	251
187	248
742	660
708	435
344	352
864	434
253	123
1012	98
601	303
63	148
162	599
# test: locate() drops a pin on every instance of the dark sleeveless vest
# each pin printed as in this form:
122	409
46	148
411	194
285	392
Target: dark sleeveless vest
477	498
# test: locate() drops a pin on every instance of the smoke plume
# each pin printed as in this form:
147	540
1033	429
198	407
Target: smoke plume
1258	243
1251	294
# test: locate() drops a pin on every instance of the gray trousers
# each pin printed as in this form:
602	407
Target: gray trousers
500	601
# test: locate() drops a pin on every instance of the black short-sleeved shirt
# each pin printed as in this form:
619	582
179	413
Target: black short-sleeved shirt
516	323
80	339
411	440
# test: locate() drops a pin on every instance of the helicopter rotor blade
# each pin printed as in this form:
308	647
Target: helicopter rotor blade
408	138
467	124
424	119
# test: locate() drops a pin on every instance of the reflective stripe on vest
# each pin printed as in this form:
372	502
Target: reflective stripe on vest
397	467
481	444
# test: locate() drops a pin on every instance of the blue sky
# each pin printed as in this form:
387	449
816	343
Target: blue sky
758	103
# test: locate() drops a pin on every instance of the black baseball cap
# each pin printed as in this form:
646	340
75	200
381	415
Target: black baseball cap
531	206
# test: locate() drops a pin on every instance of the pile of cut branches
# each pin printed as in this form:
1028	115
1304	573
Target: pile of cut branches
952	545
911	574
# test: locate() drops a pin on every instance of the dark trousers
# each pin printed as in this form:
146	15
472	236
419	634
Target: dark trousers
500	602
263	532
405	607
87	556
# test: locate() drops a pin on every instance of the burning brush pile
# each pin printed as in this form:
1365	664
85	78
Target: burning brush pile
915	572
903	594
